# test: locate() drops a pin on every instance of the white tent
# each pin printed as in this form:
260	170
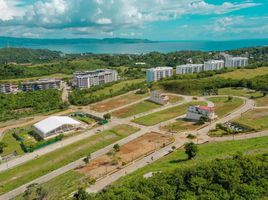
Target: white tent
55	125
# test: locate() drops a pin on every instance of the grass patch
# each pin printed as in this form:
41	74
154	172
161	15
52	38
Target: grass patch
117	102
223	105
164	115
243	92
12	145
33	169
116	87
174	98
207	152
181	125
245	73
262	101
256	119
61	187
135	109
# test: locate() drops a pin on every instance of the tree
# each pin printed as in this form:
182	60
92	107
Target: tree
87	158
230	98
81	194
107	116
116	148
2	146
191	150
202	120
35	191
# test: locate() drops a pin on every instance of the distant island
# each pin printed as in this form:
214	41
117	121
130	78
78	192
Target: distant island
126	45
13	41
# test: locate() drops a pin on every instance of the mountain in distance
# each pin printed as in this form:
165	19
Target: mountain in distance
12	41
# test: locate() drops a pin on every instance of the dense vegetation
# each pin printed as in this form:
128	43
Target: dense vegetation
64	67
239	177
75	62
23	55
14	106
90	95
212	84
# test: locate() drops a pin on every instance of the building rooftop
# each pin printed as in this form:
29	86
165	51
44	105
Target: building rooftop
92	73
207	108
54	122
190	65
214	61
159	68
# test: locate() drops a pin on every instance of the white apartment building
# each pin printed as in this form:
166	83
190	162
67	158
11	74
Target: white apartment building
91	78
6	88
236	61
158	73
189	68
41	84
212	65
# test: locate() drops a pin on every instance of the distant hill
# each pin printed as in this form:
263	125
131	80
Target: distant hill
11	41
23	55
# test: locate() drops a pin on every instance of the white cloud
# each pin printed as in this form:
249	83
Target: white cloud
105	15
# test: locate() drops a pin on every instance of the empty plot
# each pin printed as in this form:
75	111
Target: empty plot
167	114
181	125
224	106
135	109
117	102
243	92
245	73
129	152
256	119
262	101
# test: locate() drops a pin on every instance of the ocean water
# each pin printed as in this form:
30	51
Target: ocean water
137	48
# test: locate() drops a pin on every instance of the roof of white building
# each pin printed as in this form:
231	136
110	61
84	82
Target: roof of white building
54	122
214	61
191	65
160	68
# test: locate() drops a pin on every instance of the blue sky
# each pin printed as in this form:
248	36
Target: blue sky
151	19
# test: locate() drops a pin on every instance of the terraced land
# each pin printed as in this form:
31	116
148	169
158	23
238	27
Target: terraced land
165	115
117	102
224	106
135	109
42	165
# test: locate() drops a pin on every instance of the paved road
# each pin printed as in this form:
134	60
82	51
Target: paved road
72	165
180	140
201	138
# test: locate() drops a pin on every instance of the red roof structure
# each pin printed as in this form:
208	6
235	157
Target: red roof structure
207	108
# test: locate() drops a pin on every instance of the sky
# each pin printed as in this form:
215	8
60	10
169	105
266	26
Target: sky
149	19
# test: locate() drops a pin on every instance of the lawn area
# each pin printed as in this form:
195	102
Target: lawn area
262	101
135	109
12	145
223	106
33	169
256	119
167	114
245	73
243	92
174	98
181	125
61	187
206	153
58	76
116	87
117	102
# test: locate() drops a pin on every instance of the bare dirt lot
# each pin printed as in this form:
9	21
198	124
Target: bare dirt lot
129	152
117	102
